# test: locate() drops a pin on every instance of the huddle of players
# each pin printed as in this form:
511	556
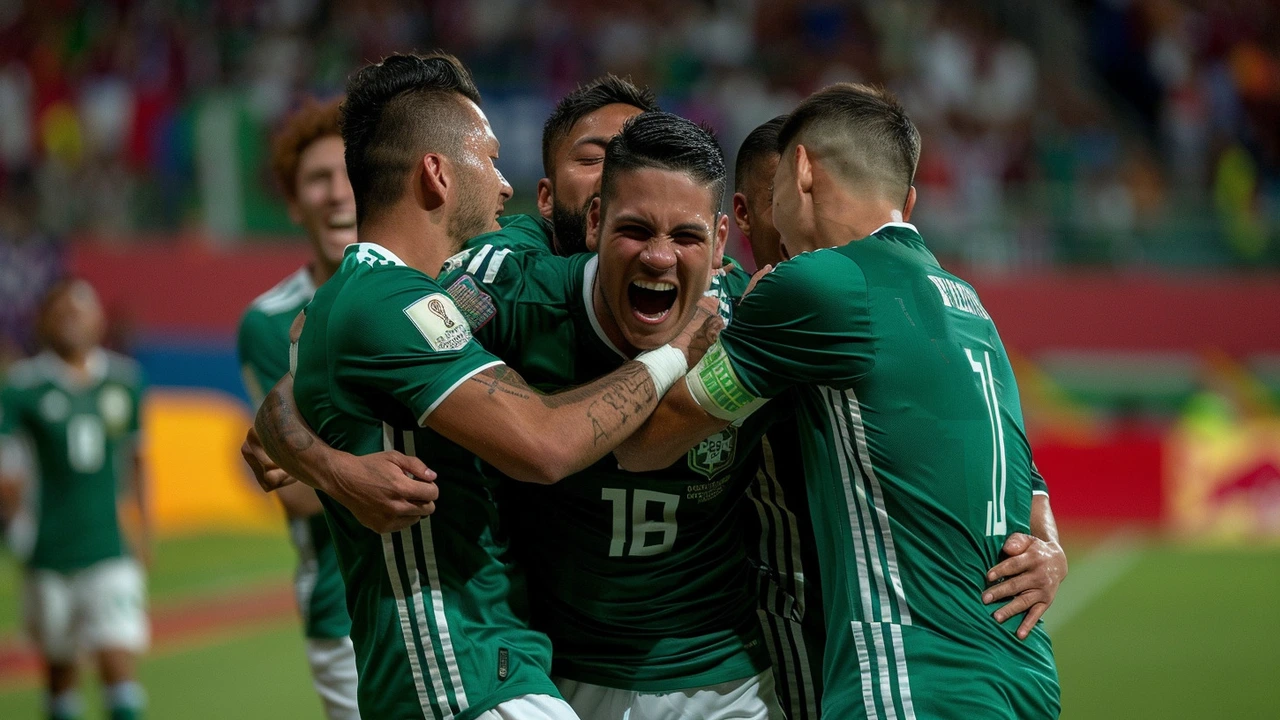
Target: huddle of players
664	591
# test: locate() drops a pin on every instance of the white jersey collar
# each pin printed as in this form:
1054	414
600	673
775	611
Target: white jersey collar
374	254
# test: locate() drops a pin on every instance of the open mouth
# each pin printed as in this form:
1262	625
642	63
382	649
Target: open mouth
651	301
342	221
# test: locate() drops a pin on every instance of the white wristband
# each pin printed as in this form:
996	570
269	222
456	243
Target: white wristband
666	365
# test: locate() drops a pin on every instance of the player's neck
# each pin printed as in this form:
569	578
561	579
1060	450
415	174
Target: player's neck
607	322
76	361
320	271
845	217
413	236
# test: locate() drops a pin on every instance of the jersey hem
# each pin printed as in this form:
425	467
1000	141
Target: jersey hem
506	693
737	671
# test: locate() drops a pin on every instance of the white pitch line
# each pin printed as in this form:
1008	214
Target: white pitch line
1090	577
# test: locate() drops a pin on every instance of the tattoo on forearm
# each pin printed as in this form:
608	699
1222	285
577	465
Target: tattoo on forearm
282	433
613	400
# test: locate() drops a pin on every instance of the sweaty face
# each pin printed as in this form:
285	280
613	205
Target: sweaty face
658	239
73	321
483	191
766	243
323	203
578	162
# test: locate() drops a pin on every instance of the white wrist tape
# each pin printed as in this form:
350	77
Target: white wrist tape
666	365
717	389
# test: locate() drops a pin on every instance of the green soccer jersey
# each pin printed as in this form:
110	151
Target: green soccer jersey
640	579
917	470
263	347
83	436
780	547
437	609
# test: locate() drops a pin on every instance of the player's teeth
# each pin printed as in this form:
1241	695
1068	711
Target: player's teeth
659	286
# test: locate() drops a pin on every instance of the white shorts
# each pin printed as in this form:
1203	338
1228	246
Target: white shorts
530	707
102	607
752	698
333	672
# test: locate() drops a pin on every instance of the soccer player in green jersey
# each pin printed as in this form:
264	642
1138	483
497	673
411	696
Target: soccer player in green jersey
917	466
307	160
74	410
386	361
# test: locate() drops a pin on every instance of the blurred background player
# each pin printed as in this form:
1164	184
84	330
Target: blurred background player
307	159
75	407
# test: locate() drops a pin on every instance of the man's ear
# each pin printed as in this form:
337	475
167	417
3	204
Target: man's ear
545	198
436	180
593	225
910	204
740	214
722	237
804	170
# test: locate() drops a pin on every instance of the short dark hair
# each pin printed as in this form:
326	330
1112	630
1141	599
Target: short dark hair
759	143
664	141
586	99
861	131
396	111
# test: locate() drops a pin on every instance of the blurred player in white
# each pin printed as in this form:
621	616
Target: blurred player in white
71	474
307	159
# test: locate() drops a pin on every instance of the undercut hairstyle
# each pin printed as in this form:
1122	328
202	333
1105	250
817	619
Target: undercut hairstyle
586	99
664	141
309	123
396	111
759	144
859	132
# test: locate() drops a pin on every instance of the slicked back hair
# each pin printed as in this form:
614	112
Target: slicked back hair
859	132
759	143
396	111
664	141
586	99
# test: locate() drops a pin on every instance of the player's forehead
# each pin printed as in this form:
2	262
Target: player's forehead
478	133
324	151
663	198
597	127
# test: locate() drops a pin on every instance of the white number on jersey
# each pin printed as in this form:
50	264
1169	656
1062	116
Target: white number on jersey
996	524
642	528
86	443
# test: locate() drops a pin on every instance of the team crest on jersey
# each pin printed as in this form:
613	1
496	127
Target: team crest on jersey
715	453
54	406
114	406
440	322
455	262
475	304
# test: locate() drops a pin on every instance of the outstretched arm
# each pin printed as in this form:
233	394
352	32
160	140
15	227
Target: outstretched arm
677	425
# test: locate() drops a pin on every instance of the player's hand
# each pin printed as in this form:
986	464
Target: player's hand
700	334
755	279
386	491
269	475
1032	571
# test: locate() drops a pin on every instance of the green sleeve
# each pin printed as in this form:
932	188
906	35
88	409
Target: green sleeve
1038	485
263	354
405	337
137	390
10	411
806	322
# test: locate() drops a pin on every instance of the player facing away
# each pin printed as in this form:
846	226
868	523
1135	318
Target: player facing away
776	513
917	467
74	408
307	160
386	361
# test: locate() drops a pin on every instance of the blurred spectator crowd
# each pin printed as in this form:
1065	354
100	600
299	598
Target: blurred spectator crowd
1104	132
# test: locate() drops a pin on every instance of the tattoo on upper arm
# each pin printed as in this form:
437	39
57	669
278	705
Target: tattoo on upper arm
282	431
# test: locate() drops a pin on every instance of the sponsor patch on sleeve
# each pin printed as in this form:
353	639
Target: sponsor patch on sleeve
440	322
475	304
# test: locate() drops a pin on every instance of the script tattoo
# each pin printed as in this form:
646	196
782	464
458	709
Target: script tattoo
502	379
281	429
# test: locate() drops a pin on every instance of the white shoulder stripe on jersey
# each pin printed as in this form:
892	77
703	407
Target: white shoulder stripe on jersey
422	421
478	260
495	264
